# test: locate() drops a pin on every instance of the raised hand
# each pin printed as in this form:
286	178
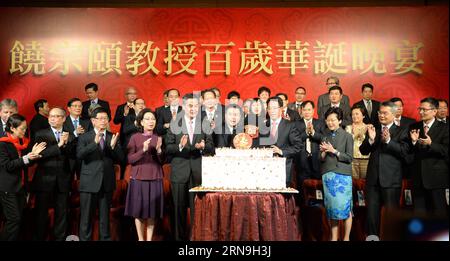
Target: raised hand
63	139
80	130
183	140
159	145
326	147
146	144
385	136
114	139
97	137
426	141
200	145
371	132
414	134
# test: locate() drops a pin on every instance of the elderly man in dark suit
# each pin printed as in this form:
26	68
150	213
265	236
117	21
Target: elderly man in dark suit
51	182
8	107
387	146
98	150
429	143
166	114
281	135
186	142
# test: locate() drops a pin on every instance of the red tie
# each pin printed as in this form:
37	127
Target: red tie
273	130
425	129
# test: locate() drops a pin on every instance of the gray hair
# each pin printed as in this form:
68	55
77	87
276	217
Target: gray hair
391	105
8	102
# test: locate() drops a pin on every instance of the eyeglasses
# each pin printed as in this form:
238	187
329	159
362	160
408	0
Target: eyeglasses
425	109
102	119
331	83
148	119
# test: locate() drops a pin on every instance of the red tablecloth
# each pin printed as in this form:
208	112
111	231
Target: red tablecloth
231	216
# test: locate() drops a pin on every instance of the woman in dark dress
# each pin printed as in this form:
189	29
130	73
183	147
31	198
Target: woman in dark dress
145	192
12	164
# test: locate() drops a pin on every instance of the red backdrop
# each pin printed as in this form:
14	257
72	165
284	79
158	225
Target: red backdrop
385	27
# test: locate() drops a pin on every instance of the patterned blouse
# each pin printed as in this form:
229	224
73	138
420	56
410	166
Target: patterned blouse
359	134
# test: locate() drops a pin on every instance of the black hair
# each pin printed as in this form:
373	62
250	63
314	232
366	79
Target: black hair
263	89
233	94
335	110
366	85
276	98
14	121
306	102
69	103
97	111
434	103
39	104
140	117
92	86
335	87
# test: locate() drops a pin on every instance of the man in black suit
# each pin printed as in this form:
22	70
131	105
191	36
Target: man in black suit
324	99
287	113
91	90
387	145
98	150
125	109
166	104
370	105
442	113
307	161
186	142
300	93
167	114
8	107
399	119
51	181
76	126
40	120
335	96
213	113
234	124
281	135
429	142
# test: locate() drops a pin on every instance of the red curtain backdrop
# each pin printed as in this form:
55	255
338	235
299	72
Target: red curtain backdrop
346	28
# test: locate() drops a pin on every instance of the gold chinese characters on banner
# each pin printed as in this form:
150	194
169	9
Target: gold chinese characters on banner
141	58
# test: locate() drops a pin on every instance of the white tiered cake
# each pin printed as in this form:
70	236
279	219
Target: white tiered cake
244	169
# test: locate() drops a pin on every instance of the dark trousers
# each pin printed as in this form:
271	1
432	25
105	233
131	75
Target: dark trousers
376	197
88	207
12	205
432	200
43	203
304	171
182	199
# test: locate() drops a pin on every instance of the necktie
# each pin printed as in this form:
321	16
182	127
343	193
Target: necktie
369	107
58	136
75	124
191	132
308	146
174	114
102	141
273	130
425	129
93	102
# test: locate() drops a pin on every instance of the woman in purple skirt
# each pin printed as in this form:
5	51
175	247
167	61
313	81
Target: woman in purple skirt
145	191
